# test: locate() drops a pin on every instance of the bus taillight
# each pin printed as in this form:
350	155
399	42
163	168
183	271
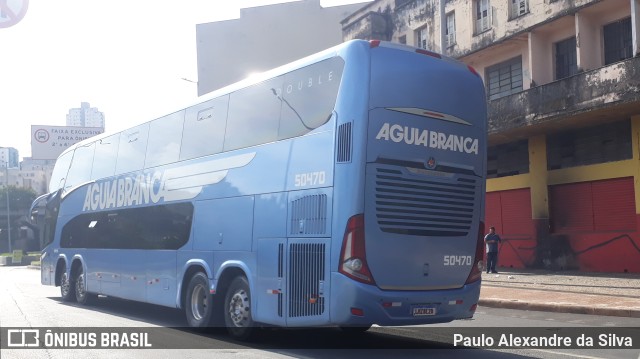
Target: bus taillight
353	262
476	269
429	53
473	70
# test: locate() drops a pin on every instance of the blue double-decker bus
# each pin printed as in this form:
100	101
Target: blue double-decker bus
344	189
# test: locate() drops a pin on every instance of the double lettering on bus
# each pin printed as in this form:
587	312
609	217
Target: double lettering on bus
344	189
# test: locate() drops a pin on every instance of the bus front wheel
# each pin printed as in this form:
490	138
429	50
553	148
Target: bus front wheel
199	301
237	309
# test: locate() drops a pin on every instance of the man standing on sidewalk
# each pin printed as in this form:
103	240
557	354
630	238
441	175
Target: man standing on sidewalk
491	240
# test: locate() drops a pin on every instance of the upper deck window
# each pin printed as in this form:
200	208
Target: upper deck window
309	96
165	135
132	150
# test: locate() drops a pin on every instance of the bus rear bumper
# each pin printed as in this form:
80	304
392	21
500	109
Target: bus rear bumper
357	304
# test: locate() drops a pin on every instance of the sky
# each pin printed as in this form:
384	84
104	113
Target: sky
128	58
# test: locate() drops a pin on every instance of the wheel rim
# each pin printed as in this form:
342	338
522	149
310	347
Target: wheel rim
65	285
80	292
198	302
239	308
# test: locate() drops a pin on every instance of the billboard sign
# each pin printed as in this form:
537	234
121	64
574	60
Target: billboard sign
48	142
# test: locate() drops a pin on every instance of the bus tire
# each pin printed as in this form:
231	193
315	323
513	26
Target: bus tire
237	309
199	301
81	294
67	288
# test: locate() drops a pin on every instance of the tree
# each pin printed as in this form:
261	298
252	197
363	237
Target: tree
20	199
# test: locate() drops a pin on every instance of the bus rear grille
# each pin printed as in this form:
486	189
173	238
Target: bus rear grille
434	207
306	279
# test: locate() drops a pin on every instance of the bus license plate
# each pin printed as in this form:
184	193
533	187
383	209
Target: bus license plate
422	311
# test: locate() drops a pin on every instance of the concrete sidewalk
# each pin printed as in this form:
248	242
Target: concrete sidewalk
564	291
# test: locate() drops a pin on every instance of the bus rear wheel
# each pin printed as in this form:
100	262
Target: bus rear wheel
67	288
237	309
82	297
199	302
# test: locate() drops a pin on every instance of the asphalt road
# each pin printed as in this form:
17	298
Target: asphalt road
24	303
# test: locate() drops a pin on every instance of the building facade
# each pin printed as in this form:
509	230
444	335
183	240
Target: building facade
265	37
562	81
33	174
9	157
85	116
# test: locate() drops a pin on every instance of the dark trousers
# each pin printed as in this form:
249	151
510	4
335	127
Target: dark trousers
492	259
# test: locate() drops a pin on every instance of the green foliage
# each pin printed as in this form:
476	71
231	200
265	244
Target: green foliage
20	199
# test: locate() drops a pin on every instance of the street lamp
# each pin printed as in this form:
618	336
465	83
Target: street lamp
8	209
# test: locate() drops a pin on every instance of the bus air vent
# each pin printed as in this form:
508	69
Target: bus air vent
309	215
344	143
280	272
306	279
428	206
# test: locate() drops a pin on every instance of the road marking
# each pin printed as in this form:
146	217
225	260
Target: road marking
569	354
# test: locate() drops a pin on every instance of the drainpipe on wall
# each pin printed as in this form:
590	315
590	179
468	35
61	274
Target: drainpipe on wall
635	17
443	26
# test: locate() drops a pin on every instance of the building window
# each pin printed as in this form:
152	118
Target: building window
450	30
504	78
508	159
587	146
519	8
617	41
566	59
403	39
483	12
402	2
421	38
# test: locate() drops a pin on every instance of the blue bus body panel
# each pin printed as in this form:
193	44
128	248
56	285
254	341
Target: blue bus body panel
425	171
397	307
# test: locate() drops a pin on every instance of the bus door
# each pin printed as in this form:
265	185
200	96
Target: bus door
44	214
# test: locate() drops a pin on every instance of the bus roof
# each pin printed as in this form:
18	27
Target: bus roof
254	79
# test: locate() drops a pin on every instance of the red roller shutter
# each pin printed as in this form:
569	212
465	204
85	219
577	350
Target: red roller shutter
493	212
510	212
571	207
614	206
516	212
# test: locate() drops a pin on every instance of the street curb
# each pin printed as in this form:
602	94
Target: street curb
559	308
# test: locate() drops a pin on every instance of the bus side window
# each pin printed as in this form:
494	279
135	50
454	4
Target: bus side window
80	170
204	127
165	135
309	97
132	149
104	163
60	171
254	114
